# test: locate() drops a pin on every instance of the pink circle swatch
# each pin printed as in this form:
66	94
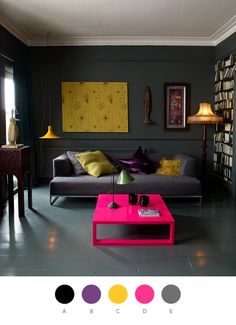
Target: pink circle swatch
144	294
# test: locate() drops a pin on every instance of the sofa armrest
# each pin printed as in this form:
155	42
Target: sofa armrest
61	166
188	165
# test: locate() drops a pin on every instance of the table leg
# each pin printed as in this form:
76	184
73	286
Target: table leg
10	194
94	233
172	233
21	196
1	196
29	179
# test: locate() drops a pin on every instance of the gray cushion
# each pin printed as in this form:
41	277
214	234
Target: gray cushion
76	166
188	165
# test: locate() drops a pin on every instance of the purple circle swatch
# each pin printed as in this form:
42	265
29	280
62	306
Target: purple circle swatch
144	294
91	294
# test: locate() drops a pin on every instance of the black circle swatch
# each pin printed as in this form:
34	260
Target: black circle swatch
64	294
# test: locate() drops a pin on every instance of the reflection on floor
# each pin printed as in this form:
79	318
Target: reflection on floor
57	240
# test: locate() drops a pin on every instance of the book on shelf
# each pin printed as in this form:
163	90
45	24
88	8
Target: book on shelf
229	61
149	213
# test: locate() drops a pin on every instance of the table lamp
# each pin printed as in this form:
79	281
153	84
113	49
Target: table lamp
123	179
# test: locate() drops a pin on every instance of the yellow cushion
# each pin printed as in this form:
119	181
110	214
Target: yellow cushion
169	167
95	163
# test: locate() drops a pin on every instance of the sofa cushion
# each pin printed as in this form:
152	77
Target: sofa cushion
169	167
139	163
188	165
76	166
135	167
95	163
139	155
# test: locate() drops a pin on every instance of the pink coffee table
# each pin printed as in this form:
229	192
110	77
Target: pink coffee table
128	214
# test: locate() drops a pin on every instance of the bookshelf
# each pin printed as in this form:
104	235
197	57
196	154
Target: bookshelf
224	105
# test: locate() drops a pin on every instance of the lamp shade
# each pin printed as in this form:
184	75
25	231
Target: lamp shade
205	116
124	178
50	134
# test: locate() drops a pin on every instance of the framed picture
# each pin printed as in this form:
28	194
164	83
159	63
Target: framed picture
176	105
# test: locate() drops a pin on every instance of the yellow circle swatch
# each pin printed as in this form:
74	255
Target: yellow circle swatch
118	294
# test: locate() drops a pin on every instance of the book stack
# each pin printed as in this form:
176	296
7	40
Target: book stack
149	213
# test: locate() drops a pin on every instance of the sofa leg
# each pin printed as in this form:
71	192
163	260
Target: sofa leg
200	201
53	200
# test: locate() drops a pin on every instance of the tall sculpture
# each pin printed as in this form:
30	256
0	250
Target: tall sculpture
147	105
13	132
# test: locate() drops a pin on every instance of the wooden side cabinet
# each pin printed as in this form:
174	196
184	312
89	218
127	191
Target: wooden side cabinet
16	162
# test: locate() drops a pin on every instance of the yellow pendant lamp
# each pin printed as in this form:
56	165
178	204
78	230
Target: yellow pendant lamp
50	133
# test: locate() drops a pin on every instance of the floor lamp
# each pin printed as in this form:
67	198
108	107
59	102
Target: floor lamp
204	116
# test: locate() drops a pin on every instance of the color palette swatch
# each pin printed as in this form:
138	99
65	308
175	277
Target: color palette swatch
171	294
91	294
144	294
64	294
118	294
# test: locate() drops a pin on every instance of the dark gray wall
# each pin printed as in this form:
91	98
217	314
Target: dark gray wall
11	47
139	66
226	47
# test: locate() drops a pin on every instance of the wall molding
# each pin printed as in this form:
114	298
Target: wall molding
23	37
62	140
125	41
225	31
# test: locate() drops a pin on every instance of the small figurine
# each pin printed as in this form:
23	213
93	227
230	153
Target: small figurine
147	105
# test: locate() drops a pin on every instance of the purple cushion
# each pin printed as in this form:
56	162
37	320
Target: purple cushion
139	163
139	168
139	155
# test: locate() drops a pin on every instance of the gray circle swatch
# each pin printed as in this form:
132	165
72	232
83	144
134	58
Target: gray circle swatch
171	294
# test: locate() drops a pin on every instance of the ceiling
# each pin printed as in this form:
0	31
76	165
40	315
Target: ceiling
123	22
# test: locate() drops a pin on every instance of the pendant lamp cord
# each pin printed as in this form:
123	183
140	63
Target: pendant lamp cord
42	126
46	94
49	85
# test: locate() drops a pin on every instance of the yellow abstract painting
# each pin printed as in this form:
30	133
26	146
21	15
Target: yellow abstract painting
95	106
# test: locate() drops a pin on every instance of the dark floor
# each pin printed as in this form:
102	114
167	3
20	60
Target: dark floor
56	240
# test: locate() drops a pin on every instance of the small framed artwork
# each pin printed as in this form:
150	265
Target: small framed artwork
176	105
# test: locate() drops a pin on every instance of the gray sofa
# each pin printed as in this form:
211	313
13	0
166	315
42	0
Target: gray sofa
66	183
